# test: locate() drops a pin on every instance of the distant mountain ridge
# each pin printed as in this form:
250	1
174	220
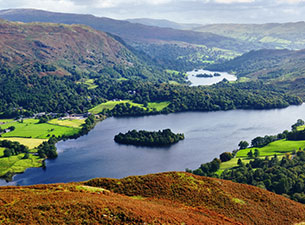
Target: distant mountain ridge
284	35
165	23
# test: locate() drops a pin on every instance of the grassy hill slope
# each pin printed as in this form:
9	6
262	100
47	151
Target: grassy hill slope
166	198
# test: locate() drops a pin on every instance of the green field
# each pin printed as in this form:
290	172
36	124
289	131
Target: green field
158	106
6	121
76	123
31	133
15	164
29	142
30	128
89	82
280	148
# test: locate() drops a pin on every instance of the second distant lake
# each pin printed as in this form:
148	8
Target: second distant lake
196	81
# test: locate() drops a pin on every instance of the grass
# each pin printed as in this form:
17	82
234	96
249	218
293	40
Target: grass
6	120
277	147
15	164
159	106
76	123
280	148
111	104
29	142
30	128
89	82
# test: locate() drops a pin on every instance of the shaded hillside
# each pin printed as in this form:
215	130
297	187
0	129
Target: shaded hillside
271	35
267	65
168	198
64	49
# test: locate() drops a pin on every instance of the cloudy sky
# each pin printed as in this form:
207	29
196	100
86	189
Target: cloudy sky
188	11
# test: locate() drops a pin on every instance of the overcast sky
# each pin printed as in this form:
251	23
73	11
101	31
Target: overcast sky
187	11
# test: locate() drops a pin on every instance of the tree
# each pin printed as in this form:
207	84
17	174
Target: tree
226	156
243	144
239	162
250	154
7	152
256	153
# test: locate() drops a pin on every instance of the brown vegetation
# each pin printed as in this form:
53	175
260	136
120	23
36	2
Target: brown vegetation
167	198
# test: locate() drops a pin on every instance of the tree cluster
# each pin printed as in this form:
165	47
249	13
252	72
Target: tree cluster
149	138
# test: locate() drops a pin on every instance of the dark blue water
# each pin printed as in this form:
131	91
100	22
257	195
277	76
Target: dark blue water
207	134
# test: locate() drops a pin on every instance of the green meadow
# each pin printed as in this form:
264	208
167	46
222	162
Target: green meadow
31	134
158	106
280	148
30	128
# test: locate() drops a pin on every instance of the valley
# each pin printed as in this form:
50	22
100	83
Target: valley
84	97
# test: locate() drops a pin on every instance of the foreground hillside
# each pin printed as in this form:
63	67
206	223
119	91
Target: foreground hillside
167	198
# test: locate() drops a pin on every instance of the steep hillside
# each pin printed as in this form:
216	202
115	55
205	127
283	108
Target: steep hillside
167	198
271	35
63	49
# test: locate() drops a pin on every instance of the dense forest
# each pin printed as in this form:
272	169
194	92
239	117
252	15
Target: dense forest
149	138
23	95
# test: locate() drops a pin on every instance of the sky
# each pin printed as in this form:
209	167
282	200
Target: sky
183	11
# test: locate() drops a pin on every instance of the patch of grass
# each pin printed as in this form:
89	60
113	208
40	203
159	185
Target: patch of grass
110	105
238	201
277	147
138	197
30	128
15	164
89	82
29	142
90	189
6	121
172	82
159	106
76	123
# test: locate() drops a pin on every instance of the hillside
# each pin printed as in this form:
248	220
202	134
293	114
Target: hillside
271	35
184	49
58	49
167	198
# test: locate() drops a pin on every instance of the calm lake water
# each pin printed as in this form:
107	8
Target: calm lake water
207	135
196	81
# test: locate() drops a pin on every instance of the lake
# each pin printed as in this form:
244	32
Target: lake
196	81
207	135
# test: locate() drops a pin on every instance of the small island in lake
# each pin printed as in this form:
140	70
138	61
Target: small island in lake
204	75
149	138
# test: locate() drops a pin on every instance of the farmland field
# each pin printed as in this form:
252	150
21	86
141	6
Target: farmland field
30	128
